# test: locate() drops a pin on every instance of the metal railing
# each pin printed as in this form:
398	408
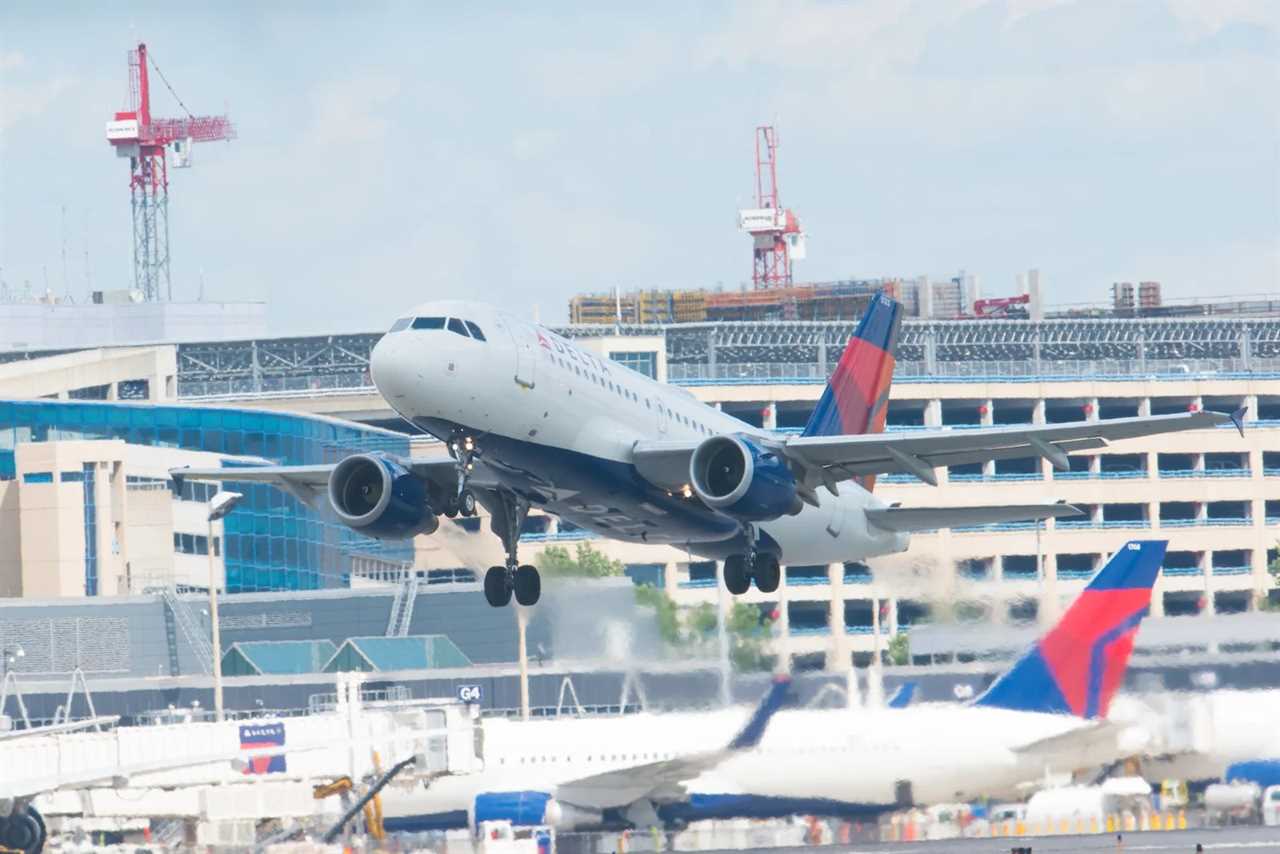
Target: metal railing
191	629
1232	570
810	631
1012	370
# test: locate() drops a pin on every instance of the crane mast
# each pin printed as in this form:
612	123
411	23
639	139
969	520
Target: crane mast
776	238
144	140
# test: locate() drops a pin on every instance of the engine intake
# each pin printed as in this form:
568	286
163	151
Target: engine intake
378	496
736	476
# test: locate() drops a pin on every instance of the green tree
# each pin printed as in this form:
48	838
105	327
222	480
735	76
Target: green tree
668	615
900	649
749	633
1269	600
556	562
694	631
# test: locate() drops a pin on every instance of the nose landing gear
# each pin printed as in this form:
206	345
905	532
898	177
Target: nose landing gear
500	582
464	451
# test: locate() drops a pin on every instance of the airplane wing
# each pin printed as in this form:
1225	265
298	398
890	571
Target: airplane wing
826	460
624	786
1097	742
909	519
309	483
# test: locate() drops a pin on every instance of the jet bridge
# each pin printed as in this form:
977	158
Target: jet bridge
239	770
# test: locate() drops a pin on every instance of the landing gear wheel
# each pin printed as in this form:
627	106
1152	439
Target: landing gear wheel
497	587
467	503
528	585
767	572
737	580
23	832
450	509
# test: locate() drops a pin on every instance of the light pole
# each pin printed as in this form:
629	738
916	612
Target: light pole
220	505
9	656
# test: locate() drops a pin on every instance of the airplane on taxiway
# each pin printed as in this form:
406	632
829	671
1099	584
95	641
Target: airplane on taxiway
532	420
1048	711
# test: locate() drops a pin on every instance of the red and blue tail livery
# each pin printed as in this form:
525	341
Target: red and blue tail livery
856	399
1079	665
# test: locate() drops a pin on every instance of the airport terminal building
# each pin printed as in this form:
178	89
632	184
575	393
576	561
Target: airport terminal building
1214	494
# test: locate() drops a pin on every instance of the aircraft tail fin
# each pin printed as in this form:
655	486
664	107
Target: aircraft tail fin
856	398
902	697
1077	667
775	699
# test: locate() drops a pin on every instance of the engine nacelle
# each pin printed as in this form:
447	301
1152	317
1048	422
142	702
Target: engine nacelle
569	817
379	497
530	808
736	476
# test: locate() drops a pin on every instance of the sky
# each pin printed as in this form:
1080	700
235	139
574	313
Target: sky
519	153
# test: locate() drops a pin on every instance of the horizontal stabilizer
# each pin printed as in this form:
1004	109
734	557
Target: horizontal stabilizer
908	519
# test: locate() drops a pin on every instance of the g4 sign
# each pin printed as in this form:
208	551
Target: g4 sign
470	693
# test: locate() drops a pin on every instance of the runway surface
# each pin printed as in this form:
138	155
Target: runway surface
1253	840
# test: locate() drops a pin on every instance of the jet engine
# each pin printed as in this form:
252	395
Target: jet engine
569	817
379	497
527	808
738	477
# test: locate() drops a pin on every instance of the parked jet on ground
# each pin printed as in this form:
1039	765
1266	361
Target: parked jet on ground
530	419
1047	711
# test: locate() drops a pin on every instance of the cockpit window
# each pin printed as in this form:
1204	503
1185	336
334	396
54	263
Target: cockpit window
455	325
428	323
401	324
475	331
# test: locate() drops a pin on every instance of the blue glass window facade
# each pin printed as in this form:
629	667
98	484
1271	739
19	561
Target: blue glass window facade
272	541
90	531
644	362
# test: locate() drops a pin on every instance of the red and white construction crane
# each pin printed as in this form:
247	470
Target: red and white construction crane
135	134
776	238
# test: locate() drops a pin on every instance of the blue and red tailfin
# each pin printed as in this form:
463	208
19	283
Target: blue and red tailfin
856	399
1079	665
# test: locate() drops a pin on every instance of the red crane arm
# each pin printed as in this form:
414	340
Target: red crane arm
198	128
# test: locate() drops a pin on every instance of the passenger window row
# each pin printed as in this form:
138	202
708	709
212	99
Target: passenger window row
456	325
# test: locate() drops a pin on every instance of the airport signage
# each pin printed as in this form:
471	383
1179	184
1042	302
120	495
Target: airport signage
122	129
761	219
259	737
470	693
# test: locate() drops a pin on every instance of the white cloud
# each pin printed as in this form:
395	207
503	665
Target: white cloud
1200	18
22	102
1233	268
534	143
11	59
638	59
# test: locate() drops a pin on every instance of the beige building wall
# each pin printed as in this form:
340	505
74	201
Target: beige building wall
57	376
10	542
42	520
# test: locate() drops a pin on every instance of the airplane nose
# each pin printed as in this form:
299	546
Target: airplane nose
384	368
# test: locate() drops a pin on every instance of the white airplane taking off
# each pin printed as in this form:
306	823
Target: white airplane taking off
1048	711
530	419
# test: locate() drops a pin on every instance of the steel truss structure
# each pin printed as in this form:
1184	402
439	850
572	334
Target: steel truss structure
342	361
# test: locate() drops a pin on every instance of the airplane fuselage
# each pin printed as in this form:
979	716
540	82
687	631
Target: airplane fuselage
851	763
561	424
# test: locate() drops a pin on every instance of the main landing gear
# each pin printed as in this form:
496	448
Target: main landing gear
521	579
762	567
22	830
